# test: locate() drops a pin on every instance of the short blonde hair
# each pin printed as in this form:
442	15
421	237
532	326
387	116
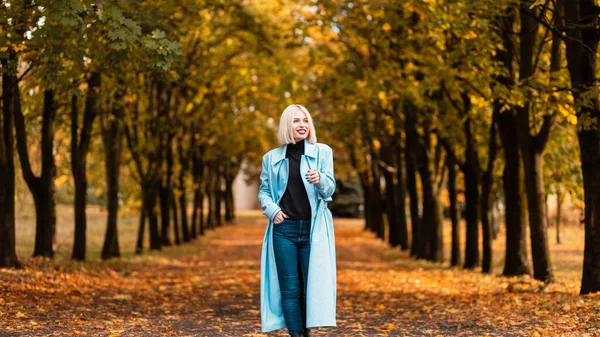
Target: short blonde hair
285	134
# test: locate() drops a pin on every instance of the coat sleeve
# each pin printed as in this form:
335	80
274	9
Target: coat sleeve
326	184
270	208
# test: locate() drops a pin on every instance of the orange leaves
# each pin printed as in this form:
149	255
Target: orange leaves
211	288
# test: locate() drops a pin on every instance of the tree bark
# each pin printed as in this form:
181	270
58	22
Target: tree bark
198	217
410	157
401	198
166	188
183	160
8	254
455	259
432	211
386	155
560	197
175	210
218	192
472	174
139	247
229	207
150	195
42	187
532	147
80	143
515	213
582	46
486	191
112	137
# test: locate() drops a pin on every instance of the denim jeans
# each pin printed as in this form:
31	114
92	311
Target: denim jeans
291	243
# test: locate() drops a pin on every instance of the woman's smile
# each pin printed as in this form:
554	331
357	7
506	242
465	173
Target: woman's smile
300	123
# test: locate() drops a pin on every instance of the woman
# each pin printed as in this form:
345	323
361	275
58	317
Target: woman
298	280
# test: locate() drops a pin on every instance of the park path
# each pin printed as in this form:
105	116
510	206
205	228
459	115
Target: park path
211	288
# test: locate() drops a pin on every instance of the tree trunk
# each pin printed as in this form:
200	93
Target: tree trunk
210	193
175	210
8	254
560	198
582	45
229	207
410	157
486	191
515	212
198	171
150	194
472	174
218	193
112	137
364	183
195	213
139	247
455	259
532	152
375	197
183	196
401	199
432	211
166	188
80	143
390	201
42	187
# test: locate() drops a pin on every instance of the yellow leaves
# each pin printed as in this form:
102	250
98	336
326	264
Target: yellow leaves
568	112
60	180
376	144
130	98
470	35
20	315
479	102
386	27
382	97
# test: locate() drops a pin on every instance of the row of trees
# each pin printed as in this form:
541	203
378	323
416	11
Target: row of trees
429	92
155	93
432	97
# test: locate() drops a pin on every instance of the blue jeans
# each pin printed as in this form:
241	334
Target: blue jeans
291	243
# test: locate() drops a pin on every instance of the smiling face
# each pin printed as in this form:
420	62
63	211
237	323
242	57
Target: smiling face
296	125
300	126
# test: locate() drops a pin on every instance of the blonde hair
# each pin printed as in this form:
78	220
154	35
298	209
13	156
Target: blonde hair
285	134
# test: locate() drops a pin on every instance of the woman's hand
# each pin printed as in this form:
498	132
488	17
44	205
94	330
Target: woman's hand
313	176
279	217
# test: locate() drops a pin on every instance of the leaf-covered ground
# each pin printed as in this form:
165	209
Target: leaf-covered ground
211	288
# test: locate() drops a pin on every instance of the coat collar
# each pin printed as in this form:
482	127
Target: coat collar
309	150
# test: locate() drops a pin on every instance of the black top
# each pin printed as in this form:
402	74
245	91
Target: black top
294	202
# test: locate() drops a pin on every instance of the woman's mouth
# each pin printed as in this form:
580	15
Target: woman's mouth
301	131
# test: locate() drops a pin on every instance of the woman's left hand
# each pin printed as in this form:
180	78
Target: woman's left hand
313	176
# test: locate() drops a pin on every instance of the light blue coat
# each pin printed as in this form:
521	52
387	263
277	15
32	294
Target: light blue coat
321	288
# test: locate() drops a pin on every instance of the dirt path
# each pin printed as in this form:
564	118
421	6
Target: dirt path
211	288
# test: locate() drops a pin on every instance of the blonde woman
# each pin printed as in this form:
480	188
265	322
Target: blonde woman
298	272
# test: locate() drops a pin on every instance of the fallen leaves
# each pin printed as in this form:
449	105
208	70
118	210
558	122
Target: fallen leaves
214	291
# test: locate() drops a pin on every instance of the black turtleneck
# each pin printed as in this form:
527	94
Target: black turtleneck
295	202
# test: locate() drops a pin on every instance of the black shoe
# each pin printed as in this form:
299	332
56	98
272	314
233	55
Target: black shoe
306	332
295	334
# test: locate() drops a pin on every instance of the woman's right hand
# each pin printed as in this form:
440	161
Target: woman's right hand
279	217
